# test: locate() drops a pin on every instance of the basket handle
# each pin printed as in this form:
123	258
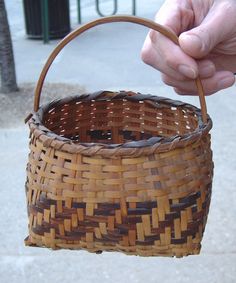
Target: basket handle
137	20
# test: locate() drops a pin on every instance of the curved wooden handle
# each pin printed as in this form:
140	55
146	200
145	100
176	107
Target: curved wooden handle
132	19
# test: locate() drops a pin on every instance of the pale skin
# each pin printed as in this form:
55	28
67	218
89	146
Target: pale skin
207	38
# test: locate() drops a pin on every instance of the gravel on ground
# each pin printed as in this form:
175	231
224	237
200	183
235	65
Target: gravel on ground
14	107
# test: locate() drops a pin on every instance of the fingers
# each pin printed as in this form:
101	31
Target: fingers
218	81
160	52
180	65
165	56
225	62
176	14
199	41
206	68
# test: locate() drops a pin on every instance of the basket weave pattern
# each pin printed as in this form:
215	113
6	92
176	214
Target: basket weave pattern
119	171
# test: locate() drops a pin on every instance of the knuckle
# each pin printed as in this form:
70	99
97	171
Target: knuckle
184	92
153	35
146	55
178	91
169	60
167	80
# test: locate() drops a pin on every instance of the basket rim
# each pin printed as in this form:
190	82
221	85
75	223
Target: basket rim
133	148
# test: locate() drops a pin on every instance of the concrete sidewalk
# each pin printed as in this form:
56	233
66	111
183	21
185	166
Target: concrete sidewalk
108	58
105	56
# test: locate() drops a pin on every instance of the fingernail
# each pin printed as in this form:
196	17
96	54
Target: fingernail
187	71
195	41
225	82
207	71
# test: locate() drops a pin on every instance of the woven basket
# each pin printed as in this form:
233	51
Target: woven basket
118	171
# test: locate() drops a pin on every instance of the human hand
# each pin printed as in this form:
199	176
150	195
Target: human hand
207	38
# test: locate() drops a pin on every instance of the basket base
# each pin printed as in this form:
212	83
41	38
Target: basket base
177	251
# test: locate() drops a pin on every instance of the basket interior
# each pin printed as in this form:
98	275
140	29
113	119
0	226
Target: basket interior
117	121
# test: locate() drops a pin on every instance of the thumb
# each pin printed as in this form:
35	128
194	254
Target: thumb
199	41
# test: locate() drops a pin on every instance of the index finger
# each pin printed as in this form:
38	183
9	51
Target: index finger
170	58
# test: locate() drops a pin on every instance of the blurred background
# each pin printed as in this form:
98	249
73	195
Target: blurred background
106	57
